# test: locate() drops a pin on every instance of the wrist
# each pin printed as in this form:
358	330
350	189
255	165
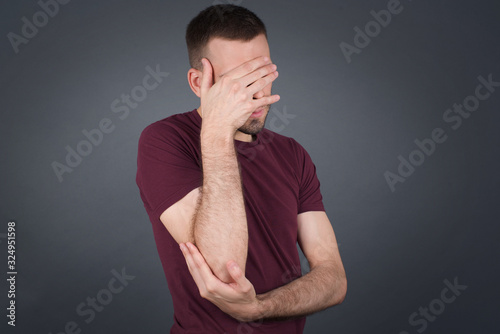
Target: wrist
217	131
216	142
262	307
216	134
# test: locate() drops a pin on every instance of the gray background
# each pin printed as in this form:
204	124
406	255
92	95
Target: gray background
354	119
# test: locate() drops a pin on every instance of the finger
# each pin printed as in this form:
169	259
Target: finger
193	270
199	261
187	257
262	82
257	74
248	67
242	283
209	279
266	100
206	77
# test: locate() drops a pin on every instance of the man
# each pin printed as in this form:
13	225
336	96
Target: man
231	199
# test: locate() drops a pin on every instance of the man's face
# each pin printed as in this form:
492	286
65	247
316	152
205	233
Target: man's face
226	55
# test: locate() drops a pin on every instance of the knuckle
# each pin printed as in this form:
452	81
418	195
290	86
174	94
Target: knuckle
209	288
236	86
243	98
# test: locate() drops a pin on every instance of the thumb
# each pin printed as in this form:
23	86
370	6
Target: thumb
234	270
206	77
238	276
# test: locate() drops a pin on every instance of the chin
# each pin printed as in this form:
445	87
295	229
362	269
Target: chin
254	125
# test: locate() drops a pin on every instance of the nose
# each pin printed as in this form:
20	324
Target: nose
258	95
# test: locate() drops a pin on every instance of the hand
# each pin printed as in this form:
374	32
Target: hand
227	104
236	299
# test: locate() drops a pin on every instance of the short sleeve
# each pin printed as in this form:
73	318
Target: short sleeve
310	198
167	168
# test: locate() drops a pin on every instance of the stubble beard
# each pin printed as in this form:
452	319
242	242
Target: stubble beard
255	125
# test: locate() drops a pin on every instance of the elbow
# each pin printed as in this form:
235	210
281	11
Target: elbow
218	257
221	272
220	268
341	291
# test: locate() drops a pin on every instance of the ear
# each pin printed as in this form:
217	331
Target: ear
194	79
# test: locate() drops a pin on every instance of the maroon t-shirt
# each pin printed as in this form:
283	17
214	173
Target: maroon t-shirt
279	181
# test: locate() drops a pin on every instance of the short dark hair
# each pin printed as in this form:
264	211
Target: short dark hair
225	21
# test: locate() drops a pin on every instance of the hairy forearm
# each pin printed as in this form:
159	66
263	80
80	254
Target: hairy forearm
324	286
220	226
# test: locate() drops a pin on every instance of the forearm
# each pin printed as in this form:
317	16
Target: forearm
220	226
324	286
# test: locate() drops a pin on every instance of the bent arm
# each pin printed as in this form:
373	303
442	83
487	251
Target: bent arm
324	286
220	225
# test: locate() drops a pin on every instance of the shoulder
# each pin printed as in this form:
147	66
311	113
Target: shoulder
169	128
